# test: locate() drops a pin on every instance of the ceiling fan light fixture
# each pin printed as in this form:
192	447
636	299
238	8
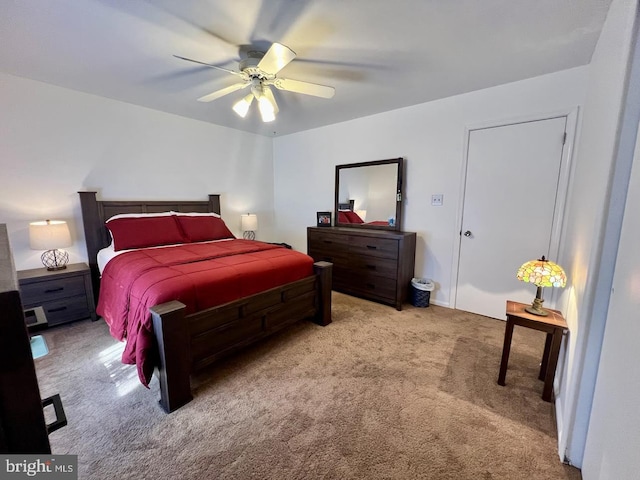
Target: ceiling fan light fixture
259	71
241	107
267	112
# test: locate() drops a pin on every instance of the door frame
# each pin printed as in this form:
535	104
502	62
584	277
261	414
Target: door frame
566	167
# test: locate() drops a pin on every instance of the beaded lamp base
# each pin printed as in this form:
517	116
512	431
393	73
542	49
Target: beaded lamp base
55	259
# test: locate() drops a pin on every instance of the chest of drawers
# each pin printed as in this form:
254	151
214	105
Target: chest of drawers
64	295
374	264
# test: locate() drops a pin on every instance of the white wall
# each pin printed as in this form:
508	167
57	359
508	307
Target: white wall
592	226
613	441
55	142
431	138
613	438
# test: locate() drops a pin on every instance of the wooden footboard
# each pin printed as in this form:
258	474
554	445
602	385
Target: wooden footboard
189	342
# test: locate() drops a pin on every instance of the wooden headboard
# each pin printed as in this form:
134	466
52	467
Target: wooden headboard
95	212
346	206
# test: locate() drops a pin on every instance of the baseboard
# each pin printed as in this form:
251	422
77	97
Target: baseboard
439	303
558	413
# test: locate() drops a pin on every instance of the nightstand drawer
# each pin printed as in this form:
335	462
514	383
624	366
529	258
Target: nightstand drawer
66	309
38	293
65	295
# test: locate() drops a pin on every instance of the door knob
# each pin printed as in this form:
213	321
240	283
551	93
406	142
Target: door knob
468	233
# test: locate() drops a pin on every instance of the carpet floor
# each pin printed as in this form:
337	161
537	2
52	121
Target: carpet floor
377	394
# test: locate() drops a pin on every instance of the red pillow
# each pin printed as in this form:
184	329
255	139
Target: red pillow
143	232
201	228
342	217
353	217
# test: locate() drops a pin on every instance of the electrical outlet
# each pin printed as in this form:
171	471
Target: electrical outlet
436	200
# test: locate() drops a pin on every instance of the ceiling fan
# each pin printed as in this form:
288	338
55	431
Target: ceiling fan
259	72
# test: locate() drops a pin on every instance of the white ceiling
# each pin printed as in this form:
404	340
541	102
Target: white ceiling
378	54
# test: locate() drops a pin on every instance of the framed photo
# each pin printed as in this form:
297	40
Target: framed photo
323	219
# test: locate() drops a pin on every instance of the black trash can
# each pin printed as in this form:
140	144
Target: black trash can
421	289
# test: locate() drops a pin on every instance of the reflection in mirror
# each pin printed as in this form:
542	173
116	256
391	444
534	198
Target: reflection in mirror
367	194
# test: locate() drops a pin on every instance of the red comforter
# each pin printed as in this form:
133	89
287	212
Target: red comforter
201	275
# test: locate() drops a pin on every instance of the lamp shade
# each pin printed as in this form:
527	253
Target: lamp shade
241	107
542	273
267	111
49	235
249	222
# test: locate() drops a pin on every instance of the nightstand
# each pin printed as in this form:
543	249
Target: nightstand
65	295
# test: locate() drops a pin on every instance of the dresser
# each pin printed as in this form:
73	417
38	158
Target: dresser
64	295
373	264
22	424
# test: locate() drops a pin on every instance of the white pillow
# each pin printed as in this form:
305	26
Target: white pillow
138	215
196	214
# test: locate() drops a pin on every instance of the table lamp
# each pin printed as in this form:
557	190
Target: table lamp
249	226
51	235
542	273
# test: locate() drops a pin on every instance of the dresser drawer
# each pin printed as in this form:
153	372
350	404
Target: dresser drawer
329	247
66	309
376	247
37	293
369	286
339	259
364	264
328	241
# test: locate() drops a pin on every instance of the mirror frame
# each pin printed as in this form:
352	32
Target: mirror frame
398	223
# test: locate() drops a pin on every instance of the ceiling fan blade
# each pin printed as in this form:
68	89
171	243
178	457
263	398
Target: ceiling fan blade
240	74
222	92
277	57
269	94
307	88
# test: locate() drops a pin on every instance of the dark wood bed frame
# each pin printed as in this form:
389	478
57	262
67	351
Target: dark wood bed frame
189	342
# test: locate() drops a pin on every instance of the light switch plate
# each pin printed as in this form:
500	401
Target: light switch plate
436	200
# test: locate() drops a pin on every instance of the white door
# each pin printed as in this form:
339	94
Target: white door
508	211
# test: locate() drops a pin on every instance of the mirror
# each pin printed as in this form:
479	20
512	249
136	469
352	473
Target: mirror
369	194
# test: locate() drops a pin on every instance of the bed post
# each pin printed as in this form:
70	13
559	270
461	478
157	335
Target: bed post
214	203
172	338
93	227
323	271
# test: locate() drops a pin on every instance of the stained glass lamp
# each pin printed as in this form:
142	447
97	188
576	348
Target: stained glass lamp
542	273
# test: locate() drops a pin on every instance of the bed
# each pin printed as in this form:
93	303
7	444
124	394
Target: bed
346	214
184	337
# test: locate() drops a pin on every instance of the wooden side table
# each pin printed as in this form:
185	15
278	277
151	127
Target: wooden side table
554	325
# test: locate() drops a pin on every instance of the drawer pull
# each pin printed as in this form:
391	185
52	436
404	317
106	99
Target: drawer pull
327	241
371	267
372	247
58	309
371	286
51	290
328	259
